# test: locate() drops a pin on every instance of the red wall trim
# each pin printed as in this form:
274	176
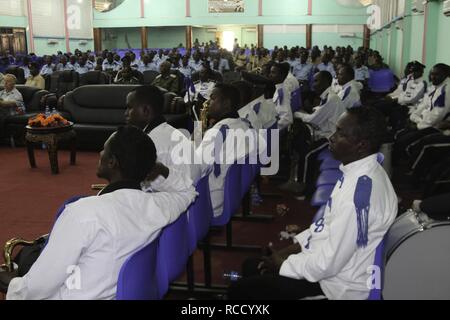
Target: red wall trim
309	7
188	8
66	28
260	8
142	9
30	25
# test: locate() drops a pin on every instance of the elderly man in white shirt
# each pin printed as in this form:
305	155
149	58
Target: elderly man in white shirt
96	235
332	257
11	101
48	68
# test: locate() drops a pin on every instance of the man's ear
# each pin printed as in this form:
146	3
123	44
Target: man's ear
113	162
363	146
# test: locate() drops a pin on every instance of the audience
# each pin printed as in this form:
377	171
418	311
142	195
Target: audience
35	79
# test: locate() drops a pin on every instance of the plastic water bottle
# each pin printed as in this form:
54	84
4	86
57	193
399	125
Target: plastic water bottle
232	276
47	111
54	111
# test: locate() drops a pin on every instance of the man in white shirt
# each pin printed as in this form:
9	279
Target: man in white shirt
145	110
350	89
94	236
333	256
147	65
326	65
282	97
110	65
320	126
48	68
200	90
11	101
225	139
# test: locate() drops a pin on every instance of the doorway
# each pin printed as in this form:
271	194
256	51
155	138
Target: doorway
13	41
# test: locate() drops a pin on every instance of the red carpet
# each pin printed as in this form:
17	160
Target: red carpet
30	198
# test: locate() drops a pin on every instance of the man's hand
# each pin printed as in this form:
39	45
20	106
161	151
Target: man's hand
5	279
444	125
158	170
271	263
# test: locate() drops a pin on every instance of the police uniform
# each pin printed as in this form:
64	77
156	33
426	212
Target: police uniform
362	73
97	235
303	71
37	82
197	66
170	83
326	67
47	70
186	71
147	67
203	89
224	65
293	63
66	67
82	69
114	66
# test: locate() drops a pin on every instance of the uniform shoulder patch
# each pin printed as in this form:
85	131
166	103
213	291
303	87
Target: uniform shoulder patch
173	76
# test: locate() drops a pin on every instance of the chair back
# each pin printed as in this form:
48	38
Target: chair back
138	275
173	252
200	214
296	100
375	292
232	195
381	81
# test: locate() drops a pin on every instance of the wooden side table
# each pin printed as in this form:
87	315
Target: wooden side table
51	138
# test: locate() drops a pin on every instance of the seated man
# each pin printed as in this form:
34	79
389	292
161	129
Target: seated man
433	109
48	68
228	131
282	97
166	80
410	91
326	65
95	236
430	150
248	107
201	90
146	65
350	89
11	101
35	79
361	71
126	76
302	71
63	65
322	124
332	257
145	110
185	68
82	67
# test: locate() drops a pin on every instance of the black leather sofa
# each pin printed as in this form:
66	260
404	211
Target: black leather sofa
98	110
15	125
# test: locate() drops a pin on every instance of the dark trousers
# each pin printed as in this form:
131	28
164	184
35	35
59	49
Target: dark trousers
270	287
307	149
427	152
397	114
407	139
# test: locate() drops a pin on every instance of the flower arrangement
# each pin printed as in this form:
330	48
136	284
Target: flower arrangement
52	121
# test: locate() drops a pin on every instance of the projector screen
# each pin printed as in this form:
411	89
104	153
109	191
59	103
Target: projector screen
226	6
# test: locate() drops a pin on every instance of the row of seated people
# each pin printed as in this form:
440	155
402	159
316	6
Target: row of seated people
330	259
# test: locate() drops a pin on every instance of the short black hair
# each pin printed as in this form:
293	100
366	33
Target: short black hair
149	96
246	91
444	68
284	68
348	70
371	126
326	76
227	91
134	151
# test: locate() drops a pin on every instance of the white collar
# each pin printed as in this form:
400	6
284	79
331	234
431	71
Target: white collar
359	165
